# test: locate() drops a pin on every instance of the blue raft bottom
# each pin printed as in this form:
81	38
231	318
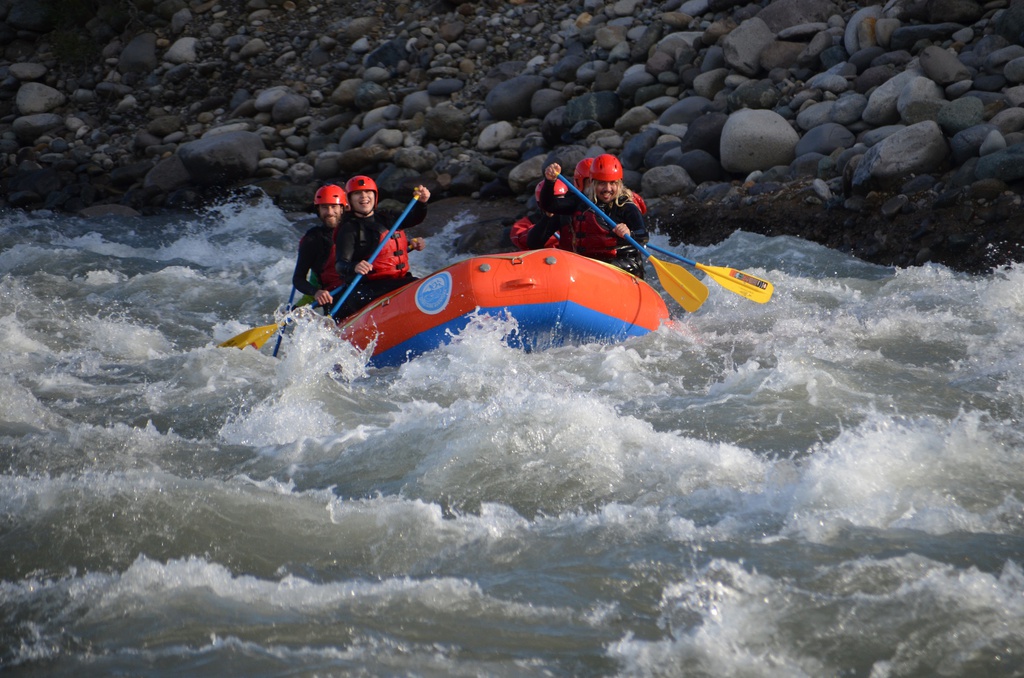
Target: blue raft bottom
540	326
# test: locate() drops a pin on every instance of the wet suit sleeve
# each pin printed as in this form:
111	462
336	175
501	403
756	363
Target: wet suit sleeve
630	215
543	229
303	265
345	248
566	204
416	216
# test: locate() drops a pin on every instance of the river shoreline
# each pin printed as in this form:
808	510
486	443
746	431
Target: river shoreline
894	133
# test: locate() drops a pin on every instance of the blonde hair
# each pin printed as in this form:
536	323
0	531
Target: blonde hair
622	194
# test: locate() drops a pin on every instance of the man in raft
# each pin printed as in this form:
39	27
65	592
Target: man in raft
362	229
316	248
585	232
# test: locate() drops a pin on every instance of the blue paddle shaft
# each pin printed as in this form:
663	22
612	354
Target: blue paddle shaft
280	335
670	253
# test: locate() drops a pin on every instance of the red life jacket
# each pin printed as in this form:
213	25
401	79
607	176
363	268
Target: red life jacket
639	202
320	239
328	277
518	233
393	260
585	235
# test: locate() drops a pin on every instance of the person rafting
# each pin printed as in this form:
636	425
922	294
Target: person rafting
585	233
361	230
315	275
547	225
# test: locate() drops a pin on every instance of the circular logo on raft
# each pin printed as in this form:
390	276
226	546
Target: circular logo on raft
434	293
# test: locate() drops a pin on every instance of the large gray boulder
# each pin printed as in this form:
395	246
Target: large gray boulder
916	149
744	45
222	158
755	139
511	99
35	97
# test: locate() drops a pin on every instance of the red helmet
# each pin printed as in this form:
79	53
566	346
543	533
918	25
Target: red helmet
582	172
560	189
330	195
361	183
606	167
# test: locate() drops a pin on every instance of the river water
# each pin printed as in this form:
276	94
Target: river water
830	484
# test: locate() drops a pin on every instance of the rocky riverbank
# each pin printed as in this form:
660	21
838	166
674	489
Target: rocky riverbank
891	130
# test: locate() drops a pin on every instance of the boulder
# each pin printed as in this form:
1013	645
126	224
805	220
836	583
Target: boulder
756	140
221	158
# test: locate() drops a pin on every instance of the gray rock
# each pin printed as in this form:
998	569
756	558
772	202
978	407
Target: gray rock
704	134
754	94
701	166
920	99
783	14
685	111
848	108
183	51
28	128
967	143
511	99
708	84
371	95
445	121
756	140
993	142
881	108
743	46
633	120
139	55
30	15
35	97
859	32
289	108
636	148
494	135
544	101
604	107
815	115
666	180
874	136
1006	165
26	71
956	116
824	139
917	149
167	175
1009	120
221	158
905	37
942	66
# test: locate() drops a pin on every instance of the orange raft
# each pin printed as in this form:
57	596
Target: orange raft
556	297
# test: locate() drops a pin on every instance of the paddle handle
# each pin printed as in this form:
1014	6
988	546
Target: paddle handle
373	257
280	335
597	210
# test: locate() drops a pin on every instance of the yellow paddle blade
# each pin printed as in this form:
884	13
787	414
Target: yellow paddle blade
680	284
743	284
255	337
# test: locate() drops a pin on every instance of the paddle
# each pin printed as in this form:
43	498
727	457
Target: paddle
258	336
743	284
680	284
280	335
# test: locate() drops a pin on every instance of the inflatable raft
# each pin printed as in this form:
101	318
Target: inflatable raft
556	297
